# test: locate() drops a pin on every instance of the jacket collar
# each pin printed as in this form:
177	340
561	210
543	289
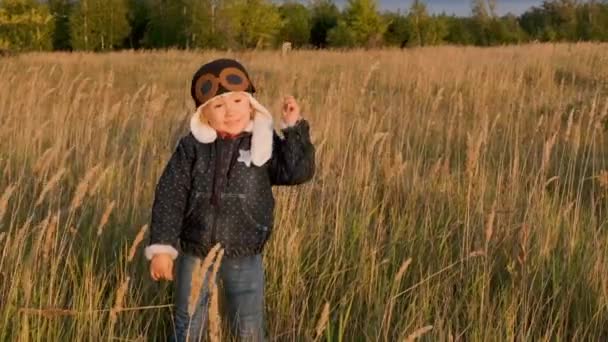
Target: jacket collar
261	128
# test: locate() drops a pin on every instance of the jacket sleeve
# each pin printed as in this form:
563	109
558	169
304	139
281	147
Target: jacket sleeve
170	201
293	158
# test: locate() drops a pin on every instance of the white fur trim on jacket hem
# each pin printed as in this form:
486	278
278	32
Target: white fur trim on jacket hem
261	129
152	250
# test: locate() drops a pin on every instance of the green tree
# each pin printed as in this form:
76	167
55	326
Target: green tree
167	26
489	29
602	20
99	24
249	23
424	29
363	22
187	24
200	24
504	30
60	9
397	30
341	36
592	21
25	25
419	23
562	18
296	23
535	22
139	18
460	31
325	17
481	22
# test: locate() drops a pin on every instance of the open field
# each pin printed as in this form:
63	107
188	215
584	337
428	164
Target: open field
460	193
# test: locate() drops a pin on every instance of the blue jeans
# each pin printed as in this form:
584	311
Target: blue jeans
243	282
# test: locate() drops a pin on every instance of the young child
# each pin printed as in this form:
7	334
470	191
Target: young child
216	188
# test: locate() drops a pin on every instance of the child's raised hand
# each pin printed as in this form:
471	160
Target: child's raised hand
291	110
161	267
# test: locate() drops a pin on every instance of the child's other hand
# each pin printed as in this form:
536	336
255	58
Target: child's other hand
291	110
161	267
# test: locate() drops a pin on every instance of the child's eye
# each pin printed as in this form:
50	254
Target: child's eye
217	105
237	100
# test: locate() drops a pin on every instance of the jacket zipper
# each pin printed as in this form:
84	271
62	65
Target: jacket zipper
218	176
214	225
213	194
216	208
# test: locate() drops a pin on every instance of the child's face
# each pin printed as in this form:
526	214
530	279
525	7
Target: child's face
230	113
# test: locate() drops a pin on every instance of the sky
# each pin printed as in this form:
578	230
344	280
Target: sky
457	7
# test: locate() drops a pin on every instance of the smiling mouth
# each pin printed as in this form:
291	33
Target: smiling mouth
232	121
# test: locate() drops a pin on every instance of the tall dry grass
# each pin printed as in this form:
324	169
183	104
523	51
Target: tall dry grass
460	193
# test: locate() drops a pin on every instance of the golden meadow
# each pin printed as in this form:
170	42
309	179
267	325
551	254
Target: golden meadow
460	193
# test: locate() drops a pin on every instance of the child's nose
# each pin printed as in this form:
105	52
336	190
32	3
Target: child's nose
230	110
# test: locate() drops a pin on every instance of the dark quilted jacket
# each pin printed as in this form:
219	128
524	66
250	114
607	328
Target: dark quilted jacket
205	196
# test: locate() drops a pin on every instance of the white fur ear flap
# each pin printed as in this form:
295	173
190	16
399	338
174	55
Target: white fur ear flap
261	139
201	130
249	127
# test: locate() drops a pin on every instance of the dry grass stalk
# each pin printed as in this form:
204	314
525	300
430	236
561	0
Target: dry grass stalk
157	104
601	119
105	217
26	224
215	322
119	301
569	126
93	189
66	156
196	284
42	226
49	235
473	154
422	126
6	196
138	239
198	274
54	312
515	165
402	269
50	185
547	151
27	283
524	239
540	122
576	137
386	322
81	189
418	333
602	178
490	224
48	313
378	137
322	322
368	77
476	253
45	160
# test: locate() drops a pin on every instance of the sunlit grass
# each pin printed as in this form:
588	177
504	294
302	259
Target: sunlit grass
460	193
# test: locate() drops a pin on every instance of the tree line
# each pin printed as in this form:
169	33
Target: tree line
103	25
